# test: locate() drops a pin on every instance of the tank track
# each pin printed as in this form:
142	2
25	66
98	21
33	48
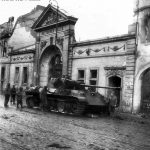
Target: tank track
80	108
63	106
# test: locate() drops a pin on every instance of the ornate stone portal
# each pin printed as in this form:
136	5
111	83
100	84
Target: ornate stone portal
115	71
55	29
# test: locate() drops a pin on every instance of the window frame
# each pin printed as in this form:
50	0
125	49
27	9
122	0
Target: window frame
15	75
81	79
3	73
23	75
94	79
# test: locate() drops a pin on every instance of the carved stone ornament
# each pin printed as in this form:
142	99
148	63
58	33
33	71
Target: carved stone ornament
43	44
116	48
60	41
22	58
115	71
89	50
52	18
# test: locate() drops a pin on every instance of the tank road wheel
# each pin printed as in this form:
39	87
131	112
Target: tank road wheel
78	108
61	107
29	102
73	108
51	105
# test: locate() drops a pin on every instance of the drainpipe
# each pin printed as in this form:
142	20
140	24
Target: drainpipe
37	61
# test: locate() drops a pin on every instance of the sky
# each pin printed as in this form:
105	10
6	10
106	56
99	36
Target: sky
96	18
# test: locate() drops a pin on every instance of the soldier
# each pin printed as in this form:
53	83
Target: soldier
112	102
7	95
19	97
43	97
13	94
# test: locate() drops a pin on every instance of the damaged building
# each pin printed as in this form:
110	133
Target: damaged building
42	46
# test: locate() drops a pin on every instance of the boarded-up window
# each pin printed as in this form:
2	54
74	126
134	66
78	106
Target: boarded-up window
25	75
17	75
81	75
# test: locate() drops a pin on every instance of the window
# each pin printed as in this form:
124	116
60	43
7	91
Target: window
3	74
81	75
4	49
25	75
93	77
17	75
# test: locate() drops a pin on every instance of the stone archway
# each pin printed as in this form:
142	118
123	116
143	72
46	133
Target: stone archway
138	87
50	64
115	77
115	81
145	92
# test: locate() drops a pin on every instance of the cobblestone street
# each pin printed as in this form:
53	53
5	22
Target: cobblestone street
35	130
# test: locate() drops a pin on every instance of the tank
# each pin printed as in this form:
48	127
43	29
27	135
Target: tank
72	97
69	96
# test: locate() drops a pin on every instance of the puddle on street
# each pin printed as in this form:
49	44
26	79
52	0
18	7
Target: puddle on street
57	145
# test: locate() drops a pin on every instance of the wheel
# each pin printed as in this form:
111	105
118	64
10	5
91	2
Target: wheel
29	102
61	107
78	108
73	108
53	105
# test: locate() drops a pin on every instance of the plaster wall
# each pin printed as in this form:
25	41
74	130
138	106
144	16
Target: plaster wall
24	60
116	54
21	37
21	65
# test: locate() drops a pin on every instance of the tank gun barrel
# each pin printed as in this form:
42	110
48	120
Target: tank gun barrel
106	87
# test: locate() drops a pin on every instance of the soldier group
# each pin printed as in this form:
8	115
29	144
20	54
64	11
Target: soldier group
14	94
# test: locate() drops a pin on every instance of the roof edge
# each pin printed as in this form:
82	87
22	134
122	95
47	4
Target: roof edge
105	40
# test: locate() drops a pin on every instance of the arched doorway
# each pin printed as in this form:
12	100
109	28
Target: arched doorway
50	65
145	92
115	81
55	70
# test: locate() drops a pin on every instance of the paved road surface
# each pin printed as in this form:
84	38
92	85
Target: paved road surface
35	130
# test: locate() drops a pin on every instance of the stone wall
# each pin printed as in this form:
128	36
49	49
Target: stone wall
111	58
22	60
129	76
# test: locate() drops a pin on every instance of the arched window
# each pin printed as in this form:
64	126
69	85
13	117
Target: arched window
56	63
57	60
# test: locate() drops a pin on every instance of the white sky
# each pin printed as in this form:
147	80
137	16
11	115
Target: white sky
96	18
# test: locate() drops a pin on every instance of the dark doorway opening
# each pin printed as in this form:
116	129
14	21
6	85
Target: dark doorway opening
115	81
145	92
56	66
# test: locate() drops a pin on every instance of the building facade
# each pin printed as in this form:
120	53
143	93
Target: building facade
141	101
6	30
22	49
43	47
107	62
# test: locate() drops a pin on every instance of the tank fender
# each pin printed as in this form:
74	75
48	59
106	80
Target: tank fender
95	98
